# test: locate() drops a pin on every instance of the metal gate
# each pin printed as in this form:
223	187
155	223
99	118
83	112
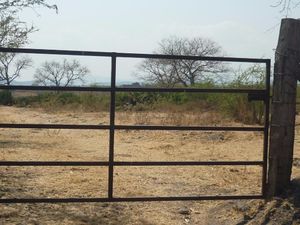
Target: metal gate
254	94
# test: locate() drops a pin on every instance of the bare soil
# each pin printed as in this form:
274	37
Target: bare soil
87	145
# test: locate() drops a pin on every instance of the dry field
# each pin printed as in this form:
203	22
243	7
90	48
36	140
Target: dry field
91	145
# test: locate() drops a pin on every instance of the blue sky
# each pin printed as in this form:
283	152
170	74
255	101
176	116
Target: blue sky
243	28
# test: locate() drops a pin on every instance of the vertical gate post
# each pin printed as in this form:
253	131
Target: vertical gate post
283	111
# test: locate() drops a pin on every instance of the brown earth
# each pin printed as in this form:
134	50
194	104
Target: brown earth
87	145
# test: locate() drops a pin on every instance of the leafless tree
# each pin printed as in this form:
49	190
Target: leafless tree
252	76
286	6
13	34
169	73
10	69
60	74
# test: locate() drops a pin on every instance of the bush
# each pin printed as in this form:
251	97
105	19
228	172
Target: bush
136	100
235	106
238	107
95	101
24	101
6	98
66	100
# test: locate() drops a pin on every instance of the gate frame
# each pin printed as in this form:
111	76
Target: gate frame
254	94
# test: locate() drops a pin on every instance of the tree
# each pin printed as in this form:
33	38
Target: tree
60	74
13	34
9	73
252	76
14	6
286	6
169	72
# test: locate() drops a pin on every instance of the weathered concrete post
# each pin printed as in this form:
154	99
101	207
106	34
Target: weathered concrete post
283	111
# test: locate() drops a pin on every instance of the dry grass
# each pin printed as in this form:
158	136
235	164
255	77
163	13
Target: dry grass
37	144
171	117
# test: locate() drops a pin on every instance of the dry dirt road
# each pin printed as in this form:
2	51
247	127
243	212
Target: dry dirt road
91	145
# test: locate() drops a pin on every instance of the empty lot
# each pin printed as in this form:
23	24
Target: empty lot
91	145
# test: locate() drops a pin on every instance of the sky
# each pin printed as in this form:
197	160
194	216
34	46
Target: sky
243	28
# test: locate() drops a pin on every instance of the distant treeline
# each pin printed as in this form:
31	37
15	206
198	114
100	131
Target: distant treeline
235	106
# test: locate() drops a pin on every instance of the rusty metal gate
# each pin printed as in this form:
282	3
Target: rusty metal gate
253	94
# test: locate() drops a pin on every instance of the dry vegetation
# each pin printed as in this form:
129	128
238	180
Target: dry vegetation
85	145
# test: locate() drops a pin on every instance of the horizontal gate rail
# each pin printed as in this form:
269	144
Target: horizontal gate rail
262	94
139	163
128	127
133	199
131	55
119	89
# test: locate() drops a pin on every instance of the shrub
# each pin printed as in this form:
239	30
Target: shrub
136	100
66	100
6	98
235	106
24	101
238	107
95	101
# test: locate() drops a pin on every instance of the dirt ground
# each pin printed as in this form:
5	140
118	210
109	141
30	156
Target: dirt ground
91	145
